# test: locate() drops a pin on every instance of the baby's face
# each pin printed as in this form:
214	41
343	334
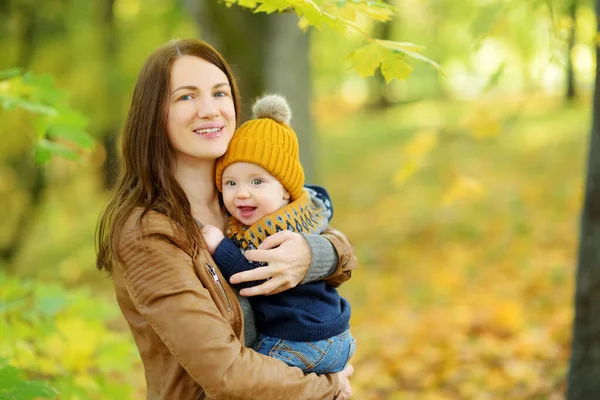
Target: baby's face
251	193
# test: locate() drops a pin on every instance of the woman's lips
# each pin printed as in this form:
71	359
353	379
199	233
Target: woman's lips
209	132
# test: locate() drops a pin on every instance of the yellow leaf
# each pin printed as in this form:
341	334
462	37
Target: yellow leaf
394	66
463	187
248	3
483	125
406	171
303	24
271	6
414	153
400	46
409	49
366	60
378	11
348	12
317	17
421	144
242	3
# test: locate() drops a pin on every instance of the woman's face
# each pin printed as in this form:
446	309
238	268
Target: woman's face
201	118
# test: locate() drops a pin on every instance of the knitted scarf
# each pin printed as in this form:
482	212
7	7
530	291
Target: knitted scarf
303	215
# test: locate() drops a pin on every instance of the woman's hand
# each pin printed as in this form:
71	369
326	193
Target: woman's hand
212	236
344	383
289	258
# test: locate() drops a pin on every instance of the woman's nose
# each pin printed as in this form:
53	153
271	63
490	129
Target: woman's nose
207	108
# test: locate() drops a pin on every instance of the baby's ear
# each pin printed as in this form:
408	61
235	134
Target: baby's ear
286	195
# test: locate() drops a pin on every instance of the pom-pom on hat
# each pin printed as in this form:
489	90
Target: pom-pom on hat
268	141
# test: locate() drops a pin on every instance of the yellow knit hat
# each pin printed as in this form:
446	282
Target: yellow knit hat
267	141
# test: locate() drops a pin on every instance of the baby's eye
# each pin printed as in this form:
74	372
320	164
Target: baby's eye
230	183
256	181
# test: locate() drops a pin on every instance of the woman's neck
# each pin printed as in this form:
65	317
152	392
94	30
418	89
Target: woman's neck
198	182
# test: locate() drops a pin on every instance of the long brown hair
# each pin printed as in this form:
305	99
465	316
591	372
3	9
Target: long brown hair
146	179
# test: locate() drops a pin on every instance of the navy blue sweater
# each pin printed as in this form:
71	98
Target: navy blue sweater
306	313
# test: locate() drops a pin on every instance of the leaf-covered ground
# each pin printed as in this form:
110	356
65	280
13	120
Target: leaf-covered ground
467	263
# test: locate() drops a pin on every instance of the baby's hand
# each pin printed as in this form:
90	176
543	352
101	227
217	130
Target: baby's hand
212	236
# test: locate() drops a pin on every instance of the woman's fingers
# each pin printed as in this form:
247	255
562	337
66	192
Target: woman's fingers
344	383
260	255
256	274
272	286
348	370
288	257
275	240
275	281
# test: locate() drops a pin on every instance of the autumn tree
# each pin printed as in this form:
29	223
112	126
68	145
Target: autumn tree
583	382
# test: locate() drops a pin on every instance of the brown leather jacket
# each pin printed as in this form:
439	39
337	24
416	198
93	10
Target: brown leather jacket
187	322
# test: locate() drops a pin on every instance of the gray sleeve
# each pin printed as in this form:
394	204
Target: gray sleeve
324	258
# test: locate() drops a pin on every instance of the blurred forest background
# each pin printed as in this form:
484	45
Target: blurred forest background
460	191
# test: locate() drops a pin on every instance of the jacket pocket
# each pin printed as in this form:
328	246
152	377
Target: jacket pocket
220	288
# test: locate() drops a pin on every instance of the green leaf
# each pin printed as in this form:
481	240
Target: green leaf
41	155
50	299
8	103
43	89
366	59
45	149
13	387
41	125
34	107
9	73
79	137
8	306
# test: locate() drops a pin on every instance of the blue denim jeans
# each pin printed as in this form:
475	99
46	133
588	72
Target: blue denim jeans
321	357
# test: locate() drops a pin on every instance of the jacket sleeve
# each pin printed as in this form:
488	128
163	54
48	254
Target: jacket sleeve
160	279
346	258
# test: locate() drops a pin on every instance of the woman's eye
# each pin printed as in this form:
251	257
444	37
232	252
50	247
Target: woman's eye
220	94
256	181
186	97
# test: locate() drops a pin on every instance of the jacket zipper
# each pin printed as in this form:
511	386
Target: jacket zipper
201	395
215	277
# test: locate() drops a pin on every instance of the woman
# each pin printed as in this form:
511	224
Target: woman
189	325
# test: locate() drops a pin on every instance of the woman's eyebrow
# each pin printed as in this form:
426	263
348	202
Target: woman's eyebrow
192	87
189	87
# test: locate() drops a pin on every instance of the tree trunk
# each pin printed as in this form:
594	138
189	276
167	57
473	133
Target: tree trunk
287	72
111	129
584	369
571	91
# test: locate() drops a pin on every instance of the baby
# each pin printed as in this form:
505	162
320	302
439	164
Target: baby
262	182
